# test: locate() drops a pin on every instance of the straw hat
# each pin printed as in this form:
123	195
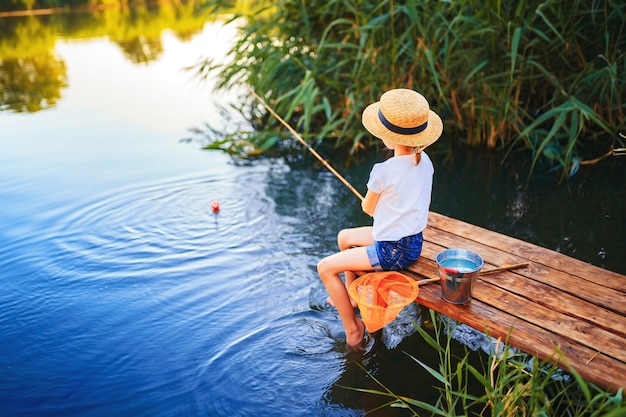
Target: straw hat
403	117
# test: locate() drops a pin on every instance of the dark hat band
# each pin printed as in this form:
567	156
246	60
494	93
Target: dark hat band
401	130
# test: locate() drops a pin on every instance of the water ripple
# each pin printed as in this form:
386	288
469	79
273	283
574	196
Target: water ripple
145	302
168	227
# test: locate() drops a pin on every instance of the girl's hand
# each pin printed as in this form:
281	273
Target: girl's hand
369	202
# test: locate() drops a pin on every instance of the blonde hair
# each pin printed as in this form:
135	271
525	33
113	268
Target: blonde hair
418	153
417	150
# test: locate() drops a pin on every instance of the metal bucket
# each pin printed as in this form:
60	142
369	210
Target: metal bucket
458	270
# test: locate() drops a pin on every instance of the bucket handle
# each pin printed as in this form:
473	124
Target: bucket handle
504	268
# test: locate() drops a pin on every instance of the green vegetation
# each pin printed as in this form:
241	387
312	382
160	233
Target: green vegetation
512	384
542	76
11	5
32	76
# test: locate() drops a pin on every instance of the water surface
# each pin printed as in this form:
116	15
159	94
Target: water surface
124	293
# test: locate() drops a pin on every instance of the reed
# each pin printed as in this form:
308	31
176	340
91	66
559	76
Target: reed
510	384
541	76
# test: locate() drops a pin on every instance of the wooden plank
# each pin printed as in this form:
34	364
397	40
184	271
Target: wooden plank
564	325
593	366
528	251
561	302
555	304
519	283
561	280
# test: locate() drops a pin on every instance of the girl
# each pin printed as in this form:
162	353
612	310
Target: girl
398	198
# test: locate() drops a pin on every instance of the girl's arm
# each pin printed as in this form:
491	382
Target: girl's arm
369	202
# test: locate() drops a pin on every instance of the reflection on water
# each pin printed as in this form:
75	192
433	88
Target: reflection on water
123	293
32	75
31	84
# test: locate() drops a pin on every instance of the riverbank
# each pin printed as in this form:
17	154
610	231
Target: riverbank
37	12
74	8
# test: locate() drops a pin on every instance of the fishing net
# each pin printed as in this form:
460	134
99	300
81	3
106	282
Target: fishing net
381	296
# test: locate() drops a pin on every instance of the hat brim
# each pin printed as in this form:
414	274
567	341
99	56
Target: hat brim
426	137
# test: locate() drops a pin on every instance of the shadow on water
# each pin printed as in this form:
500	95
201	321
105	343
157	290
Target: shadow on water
583	217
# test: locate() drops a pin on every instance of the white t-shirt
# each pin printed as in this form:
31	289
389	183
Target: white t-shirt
405	193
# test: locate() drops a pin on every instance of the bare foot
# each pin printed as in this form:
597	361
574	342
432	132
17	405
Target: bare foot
354	339
330	302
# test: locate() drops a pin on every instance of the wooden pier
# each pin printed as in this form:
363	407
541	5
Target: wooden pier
556	304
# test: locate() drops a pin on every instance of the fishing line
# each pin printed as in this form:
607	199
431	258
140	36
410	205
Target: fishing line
297	136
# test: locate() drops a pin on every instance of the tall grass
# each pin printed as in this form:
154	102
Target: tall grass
544	76
511	384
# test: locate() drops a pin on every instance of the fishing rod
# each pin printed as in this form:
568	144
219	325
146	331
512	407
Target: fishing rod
347	184
303	142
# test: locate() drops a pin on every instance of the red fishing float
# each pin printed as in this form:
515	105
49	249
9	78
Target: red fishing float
215	205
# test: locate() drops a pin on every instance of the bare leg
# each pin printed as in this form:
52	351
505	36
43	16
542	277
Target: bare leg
351	238
356	236
354	259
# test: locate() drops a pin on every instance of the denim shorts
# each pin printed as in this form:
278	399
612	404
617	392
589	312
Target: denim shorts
394	256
